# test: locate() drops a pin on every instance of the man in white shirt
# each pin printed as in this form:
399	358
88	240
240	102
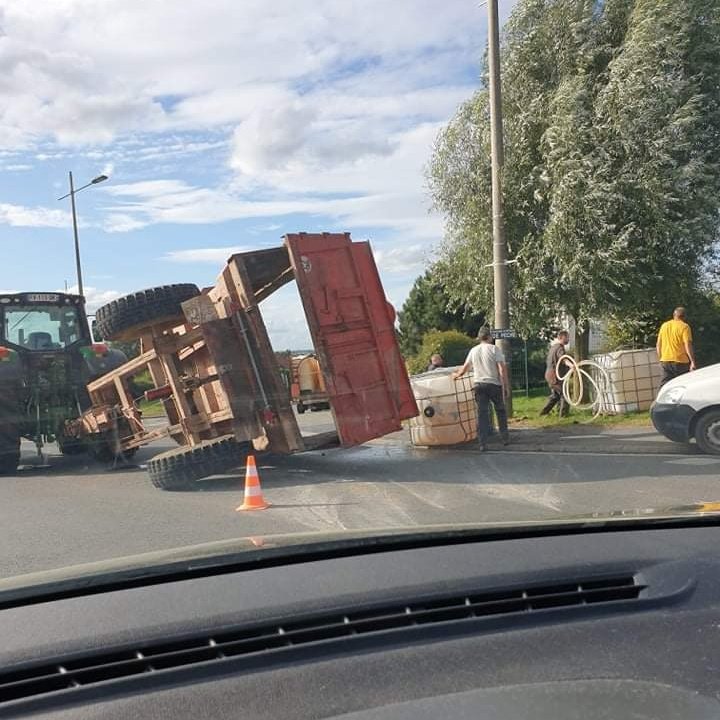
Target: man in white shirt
490	383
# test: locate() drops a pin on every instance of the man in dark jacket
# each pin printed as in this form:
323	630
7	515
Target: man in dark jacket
556	351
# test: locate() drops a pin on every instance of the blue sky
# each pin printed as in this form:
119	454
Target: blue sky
223	124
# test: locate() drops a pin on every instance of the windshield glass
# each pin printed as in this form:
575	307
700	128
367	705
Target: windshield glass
41	327
353	267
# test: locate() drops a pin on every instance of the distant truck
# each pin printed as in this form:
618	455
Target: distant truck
47	359
307	389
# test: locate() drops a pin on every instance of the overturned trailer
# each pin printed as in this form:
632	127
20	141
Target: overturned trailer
213	366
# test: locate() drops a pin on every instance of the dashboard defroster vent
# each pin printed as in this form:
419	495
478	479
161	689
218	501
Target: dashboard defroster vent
67	674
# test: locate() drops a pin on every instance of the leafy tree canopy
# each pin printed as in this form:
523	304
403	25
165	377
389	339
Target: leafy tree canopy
612	171
428	307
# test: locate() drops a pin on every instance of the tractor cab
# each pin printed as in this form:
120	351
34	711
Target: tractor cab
43	322
47	358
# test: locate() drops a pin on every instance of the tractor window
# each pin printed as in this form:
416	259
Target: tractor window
41	327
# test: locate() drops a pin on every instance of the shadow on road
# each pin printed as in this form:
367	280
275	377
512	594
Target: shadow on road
382	461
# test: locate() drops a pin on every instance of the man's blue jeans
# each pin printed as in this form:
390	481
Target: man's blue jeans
486	393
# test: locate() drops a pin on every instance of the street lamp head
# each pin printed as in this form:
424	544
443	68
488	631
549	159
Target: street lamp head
98	179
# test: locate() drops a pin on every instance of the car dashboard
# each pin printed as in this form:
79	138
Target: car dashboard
615	624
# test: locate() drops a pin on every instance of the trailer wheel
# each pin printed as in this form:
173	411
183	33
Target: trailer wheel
9	458
9	450
9	435
178	469
126	317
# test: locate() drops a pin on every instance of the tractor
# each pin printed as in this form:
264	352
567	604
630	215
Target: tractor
47	358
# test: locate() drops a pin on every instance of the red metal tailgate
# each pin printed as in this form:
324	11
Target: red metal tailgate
352	327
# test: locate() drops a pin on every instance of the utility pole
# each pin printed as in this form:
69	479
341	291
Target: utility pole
75	233
500	273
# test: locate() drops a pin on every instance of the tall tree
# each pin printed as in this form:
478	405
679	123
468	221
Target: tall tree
428	307
612	173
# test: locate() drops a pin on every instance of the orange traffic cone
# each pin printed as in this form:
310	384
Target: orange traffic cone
253	492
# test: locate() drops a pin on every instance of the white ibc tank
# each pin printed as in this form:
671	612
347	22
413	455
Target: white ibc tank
634	377
447	409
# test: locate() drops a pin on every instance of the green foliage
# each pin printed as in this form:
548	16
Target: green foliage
704	317
612	171
451	344
428	307
130	347
703	312
143	382
630	333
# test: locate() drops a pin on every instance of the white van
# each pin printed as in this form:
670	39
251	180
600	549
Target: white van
689	407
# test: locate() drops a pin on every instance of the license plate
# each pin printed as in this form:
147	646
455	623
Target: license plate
42	297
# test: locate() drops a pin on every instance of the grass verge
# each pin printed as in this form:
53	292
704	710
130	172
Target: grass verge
152	408
526	413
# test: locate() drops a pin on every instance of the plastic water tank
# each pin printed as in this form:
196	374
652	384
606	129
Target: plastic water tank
310	377
448	414
634	377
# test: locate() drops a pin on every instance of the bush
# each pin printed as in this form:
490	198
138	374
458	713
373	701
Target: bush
451	344
142	382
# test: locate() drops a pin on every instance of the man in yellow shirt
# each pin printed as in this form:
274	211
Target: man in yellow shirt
675	346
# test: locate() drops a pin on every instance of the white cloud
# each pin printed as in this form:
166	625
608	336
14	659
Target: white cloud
271	136
22	216
84	72
380	191
203	255
401	259
171	201
94	297
117	222
285	320
228	110
19	167
148	189
292	133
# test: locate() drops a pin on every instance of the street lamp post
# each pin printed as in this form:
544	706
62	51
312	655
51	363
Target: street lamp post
71	195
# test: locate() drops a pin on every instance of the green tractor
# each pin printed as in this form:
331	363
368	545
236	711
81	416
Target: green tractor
47	358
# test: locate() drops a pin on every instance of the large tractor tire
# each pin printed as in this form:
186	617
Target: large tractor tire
9	456
126	317
179	469
9	432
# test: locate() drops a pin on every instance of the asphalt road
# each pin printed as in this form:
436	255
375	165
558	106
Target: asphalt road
77	511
